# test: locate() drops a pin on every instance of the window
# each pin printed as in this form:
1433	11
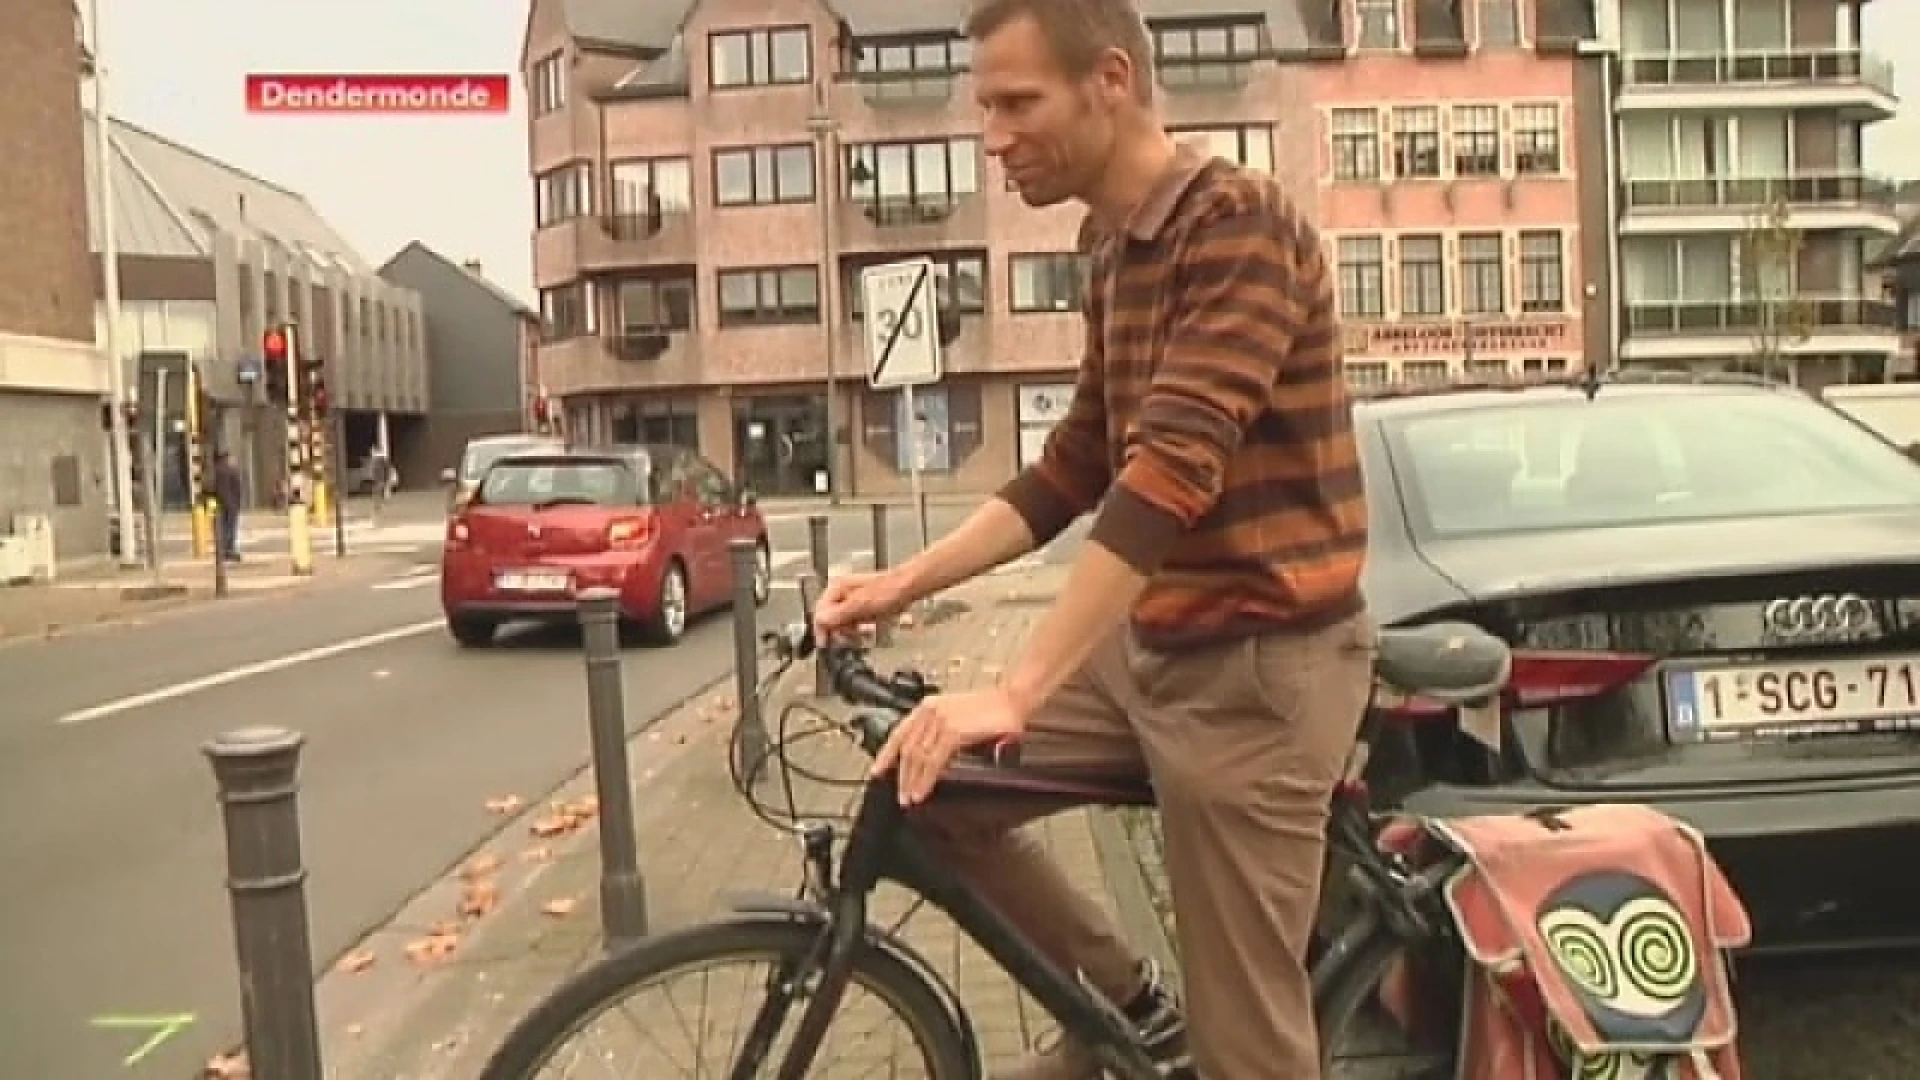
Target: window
563	194
763	175
960	278
1482	274
565	312
1356	144
1696	457
1366	374
1423	276
1476	140
655	305
933	172
774	57
660	421
547	89
1052	282
1250	145
553	482
1416	142
1488	369
1363	277
643	187
1542	273
896	57
1377	24
1205	54
1499	24
773	296
1536	139
1424	372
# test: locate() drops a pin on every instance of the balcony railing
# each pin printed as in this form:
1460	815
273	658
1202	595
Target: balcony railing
912	87
1760	67
1204	74
903	211
1801	189
1753	317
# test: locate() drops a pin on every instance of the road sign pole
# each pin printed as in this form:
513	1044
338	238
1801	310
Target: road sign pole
916	460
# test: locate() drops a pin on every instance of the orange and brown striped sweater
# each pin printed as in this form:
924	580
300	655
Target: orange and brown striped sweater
1210	423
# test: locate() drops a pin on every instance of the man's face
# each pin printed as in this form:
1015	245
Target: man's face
1051	132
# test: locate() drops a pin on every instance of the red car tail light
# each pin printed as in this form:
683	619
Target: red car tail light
628	534
458	535
1541	679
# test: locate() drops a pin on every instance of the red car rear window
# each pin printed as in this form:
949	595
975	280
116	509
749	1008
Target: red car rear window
559	481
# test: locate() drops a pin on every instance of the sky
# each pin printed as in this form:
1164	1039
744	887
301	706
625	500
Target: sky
459	184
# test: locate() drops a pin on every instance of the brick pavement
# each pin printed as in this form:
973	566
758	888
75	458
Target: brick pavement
387	1017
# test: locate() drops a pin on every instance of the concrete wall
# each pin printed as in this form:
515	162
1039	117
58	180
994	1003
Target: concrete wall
42	436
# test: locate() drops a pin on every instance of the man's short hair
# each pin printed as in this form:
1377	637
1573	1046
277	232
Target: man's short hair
1079	31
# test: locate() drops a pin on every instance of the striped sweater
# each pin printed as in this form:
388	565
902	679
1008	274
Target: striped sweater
1210	423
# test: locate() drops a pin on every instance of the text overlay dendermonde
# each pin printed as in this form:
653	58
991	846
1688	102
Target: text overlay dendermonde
338	94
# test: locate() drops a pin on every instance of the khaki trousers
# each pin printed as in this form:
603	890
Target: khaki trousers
1244	742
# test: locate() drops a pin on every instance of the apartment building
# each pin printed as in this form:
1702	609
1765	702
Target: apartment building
1745	219
52	379
1448	164
710	179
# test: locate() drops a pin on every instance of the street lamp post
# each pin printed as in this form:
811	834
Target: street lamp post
821	123
122	459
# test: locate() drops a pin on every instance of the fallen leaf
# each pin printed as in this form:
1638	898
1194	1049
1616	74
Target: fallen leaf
538	853
228	1067
480	866
560	907
553	825
478	899
355	962
433	948
506	805
585	806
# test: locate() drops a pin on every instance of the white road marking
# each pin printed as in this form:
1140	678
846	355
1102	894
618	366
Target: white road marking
245	671
417	578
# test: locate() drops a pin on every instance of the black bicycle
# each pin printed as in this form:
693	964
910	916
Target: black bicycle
826	942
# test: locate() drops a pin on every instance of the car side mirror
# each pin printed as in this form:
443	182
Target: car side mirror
447	476
748	499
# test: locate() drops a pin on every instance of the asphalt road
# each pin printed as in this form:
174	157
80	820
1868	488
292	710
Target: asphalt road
113	900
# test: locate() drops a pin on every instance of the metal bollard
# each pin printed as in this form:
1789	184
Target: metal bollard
883	631
750	742
257	770
623	893
821	555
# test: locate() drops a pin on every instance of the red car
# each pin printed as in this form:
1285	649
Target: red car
654	522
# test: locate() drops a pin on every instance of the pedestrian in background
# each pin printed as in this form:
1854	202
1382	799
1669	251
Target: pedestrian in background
227	490
381	478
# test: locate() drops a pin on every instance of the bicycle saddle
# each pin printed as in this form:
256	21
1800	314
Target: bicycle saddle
1453	663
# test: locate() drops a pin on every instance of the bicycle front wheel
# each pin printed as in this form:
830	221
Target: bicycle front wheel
591	1024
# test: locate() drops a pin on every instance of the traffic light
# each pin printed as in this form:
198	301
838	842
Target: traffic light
276	345
318	400
542	411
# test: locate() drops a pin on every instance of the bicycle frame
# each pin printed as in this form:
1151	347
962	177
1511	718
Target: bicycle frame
883	846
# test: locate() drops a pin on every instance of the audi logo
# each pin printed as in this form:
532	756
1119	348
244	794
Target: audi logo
1817	616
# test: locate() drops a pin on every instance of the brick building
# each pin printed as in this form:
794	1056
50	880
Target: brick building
52	379
680	158
1449	170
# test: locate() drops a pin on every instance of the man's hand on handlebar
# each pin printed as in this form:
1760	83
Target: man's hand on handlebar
941	727
851	600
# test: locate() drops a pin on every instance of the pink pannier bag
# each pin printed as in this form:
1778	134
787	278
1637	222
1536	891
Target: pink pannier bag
1597	943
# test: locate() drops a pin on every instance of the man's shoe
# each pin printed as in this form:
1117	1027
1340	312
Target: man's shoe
1163	1030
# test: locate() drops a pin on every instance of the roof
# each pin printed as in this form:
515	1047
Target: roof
1901	247
216	195
497	291
145	222
658	27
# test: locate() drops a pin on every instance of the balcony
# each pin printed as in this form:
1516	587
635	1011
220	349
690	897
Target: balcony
910	89
619	361
1858	83
888	222
1732	329
623	241
1814	201
1204	74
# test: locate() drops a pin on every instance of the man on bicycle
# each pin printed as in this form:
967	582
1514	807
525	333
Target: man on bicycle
1212	630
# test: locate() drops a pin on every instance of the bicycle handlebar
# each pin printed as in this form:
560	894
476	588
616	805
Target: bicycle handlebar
854	681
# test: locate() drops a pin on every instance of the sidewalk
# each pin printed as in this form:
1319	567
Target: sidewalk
432	993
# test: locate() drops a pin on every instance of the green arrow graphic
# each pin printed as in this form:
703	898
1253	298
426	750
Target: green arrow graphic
161	1028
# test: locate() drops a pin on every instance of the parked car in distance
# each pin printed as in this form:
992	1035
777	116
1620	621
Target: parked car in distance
1711	585
483	451
655	523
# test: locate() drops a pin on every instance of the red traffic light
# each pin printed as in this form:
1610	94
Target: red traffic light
274	345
